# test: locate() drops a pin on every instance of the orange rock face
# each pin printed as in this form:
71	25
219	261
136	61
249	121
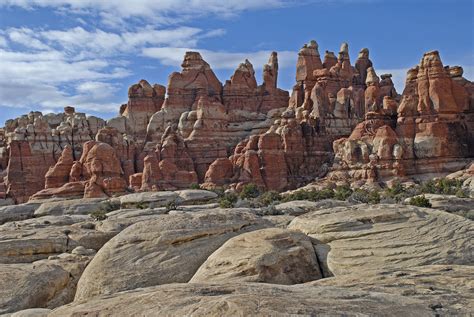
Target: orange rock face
431	134
197	130
34	143
98	171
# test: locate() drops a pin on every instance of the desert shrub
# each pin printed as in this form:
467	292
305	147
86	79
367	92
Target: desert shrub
141	205
420	201
441	186
267	198
228	200
249	191
312	195
194	186
342	192
397	192
461	193
99	215
171	206
365	196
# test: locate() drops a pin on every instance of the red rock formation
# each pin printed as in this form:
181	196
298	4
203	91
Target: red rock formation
58	175
98	173
432	135
169	167
34	143
327	102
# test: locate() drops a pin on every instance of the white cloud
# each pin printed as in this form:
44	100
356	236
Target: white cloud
26	37
3	42
173	56
50	79
162	11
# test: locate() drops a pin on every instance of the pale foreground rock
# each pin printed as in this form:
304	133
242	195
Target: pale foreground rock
459	206
299	207
372	237
150	199
446	289
17	212
271	255
46	283
82	206
169	249
246	299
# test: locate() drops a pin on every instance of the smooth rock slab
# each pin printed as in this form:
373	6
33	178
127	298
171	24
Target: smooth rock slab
299	207
169	249
374	237
447	289
276	256
70	207
148	199
17	212
194	196
246	299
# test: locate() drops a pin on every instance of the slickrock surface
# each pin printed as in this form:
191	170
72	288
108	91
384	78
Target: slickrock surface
247	299
366	237
169	249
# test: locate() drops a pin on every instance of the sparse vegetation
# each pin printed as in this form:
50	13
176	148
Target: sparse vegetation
312	195
194	186
99	215
268	198
365	196
141	205
342	192
170	206
249	191
420	201
441	186
228	200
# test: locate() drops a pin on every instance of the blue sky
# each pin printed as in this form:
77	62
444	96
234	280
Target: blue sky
86	53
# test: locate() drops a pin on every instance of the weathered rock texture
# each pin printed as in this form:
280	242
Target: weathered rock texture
198	130
367	238
273	255
249	299
169	249
431	132
34	142
329	99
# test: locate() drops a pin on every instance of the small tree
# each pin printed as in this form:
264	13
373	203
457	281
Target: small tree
420	201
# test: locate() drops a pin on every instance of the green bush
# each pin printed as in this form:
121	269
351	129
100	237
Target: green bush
420	201
267	198
171	206
461	193
228	200
99	215
441	186
342	192
249	191
366	196
142	205
194	186
396	192
312	195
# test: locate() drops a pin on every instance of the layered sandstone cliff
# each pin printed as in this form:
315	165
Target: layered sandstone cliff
431	134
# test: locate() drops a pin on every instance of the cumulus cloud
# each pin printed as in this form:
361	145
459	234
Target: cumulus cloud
173	56
76	66
164	11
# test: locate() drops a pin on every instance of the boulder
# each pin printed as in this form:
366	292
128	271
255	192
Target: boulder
275	256
169	249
